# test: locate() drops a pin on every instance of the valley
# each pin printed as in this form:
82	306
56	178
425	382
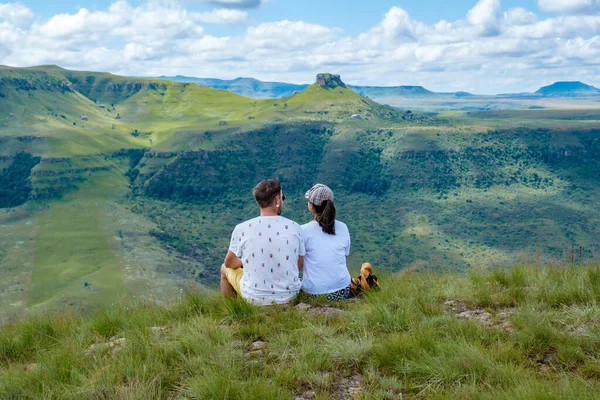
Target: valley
135	185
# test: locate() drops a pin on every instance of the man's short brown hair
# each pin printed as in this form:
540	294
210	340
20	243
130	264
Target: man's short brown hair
266	191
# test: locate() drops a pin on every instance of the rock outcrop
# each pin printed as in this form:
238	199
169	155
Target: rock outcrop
28	85
330	81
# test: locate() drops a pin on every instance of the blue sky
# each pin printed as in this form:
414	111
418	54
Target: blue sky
353	16
482	46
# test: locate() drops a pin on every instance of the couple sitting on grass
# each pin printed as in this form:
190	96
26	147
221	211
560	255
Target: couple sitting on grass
267	253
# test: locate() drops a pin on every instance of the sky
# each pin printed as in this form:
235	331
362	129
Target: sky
485	46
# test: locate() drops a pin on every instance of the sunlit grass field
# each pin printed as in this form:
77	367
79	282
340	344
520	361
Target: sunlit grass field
75	255
520	333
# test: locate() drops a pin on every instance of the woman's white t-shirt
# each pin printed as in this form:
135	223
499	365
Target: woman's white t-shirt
325	269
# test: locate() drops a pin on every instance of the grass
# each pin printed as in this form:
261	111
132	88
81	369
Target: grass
84	249
403	341
47	255
75	262
169	116
17	233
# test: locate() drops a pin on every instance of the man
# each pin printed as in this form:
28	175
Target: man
265	253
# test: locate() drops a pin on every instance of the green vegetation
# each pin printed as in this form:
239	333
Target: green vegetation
248	87
288	151
106	212
118	195
75	262
15	185
523	332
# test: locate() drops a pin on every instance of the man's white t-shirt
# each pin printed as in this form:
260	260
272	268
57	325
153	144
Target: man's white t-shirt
269	248
325	269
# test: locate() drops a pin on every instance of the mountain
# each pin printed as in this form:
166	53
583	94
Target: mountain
568	89
248	87
557	90
386	91
74	143
254	88
119	186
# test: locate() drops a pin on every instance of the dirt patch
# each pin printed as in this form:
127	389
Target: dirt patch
480	315
350	387
342	388
454	307
581	330
33	368
501	319
256	350
158	330
114	345
544	362
325	310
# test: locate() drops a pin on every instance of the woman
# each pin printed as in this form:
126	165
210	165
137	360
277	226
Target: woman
327	243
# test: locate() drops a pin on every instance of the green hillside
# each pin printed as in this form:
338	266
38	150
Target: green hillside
42	113
140	196
78	237
521	333
248	87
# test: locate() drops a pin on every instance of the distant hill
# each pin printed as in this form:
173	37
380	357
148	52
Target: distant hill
568	89
404	91
248	87
257	89
386	91
558	89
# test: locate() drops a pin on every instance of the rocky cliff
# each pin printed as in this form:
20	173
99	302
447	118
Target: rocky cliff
330	81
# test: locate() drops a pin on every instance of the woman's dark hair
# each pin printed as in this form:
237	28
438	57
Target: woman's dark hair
326	216
266	191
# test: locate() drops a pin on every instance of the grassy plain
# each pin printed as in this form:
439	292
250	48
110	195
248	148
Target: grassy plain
17	246
450	103
75	258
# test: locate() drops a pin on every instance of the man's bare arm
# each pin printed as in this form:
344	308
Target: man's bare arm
232	261
300	263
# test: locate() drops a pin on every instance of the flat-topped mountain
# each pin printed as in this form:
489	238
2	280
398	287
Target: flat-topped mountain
330	81
558	90
568	89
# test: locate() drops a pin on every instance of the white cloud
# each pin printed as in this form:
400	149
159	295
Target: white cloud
15	13
236	3
519	16
570	6
84	22
287	35
489	50
222	16
397	25
485	15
